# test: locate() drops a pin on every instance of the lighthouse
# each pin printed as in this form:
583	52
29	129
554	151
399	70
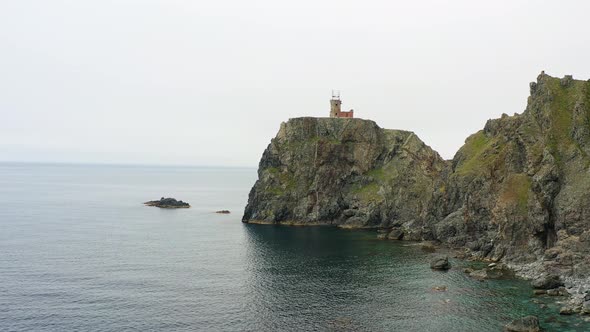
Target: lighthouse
336	107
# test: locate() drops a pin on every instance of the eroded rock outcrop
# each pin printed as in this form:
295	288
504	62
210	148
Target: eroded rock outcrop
517	191
345	172
168	203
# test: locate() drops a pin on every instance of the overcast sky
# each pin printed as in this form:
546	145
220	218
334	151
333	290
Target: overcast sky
209	82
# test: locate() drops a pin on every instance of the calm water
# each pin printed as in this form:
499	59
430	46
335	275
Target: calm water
78	252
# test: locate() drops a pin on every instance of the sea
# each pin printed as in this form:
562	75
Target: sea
80	252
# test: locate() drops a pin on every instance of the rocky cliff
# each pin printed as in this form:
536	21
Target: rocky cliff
345	172
518	190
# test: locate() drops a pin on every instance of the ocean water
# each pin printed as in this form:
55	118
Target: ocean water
79	252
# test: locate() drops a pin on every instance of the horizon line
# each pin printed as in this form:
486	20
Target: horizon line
83	163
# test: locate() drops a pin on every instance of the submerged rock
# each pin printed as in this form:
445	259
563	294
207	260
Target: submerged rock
439	288
428	247
223	212
440	263
168	203
480	275
525	324
493	271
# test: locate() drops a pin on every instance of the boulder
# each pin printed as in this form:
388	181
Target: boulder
440	263
567	310
480	275
525	324
395	234
493	271
557	292
547	282
566	80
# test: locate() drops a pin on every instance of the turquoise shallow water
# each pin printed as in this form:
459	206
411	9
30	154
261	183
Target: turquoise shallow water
79	252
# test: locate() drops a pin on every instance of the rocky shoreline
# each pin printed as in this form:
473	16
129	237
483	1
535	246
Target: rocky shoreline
570	294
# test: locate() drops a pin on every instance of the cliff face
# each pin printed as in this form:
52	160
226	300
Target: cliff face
518	190
346	172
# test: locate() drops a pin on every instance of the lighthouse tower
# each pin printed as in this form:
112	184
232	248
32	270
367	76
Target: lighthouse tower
336	107
335	104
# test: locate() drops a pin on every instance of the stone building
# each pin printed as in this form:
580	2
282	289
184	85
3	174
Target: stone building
335	107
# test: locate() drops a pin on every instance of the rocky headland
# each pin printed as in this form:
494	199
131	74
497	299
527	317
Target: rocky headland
168	203
518	191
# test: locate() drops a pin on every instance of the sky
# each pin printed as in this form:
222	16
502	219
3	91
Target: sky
209	82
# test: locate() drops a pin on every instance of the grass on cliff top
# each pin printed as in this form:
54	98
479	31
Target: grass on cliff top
516	190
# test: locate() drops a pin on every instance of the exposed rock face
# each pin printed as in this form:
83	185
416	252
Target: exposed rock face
346	172
168	203
517	191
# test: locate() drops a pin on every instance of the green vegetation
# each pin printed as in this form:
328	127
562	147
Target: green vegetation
478	156
368	193
562	106
377	174
273	170
564	100
283	181
516	191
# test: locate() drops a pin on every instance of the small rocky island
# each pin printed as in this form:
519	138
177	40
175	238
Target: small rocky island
168	203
